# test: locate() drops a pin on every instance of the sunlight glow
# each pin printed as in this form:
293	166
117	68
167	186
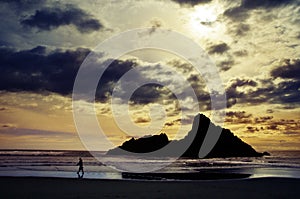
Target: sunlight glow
203	18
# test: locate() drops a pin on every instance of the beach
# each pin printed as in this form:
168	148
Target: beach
52	174
41	187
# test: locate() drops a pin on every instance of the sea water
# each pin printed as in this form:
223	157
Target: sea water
48	163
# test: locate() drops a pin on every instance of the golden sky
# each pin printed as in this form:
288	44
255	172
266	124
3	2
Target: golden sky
254	45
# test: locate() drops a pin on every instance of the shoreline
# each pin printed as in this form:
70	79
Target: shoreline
50	187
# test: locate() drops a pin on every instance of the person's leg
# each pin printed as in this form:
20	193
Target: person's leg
82	172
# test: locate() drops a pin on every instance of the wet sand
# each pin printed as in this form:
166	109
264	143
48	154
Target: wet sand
34	187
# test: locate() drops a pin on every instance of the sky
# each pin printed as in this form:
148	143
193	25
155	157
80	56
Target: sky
254	44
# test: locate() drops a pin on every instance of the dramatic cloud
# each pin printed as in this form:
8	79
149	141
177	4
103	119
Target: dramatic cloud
286	91
150	93
34	70
37	71
287	69
111	76
191	2
41	69
142	120
266	124
21	5
226	65
169	124
238	82
263	119
252	129
272	127
236	14
53	17
238	114
242	12
239	29
256	92
252	4
240	117
218	48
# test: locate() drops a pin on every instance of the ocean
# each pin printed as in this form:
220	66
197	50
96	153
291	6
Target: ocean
54	163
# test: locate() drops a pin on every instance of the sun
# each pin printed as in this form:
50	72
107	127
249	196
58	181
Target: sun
203	17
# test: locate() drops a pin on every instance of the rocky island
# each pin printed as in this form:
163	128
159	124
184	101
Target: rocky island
228	145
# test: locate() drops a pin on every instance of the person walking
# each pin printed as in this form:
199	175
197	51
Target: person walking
80	169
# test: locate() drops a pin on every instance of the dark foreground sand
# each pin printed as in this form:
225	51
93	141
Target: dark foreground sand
33	187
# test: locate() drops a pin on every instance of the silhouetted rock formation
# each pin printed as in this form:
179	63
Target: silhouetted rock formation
228	145
145	144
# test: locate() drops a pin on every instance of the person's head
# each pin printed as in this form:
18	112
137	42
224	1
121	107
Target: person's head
80	159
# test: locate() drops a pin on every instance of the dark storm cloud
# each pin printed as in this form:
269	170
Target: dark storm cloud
169	124
240	117
239	82
272	127
191	2
262	119
284	125
238	114
37	70
145	94
21	5
241	13
52	17
226	65
218	48
252	129
151	93
252	4
285	91
232	91
199	86
289	69
34	70
236	14
111	76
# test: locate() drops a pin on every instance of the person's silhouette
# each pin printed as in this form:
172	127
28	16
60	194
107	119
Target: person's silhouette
80	164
